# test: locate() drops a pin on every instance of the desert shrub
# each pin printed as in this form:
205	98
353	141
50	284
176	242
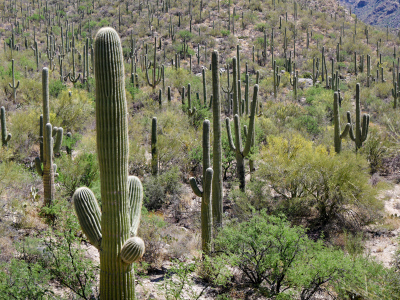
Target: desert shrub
23	280
375	149
279	260
72	112
24	126
56	256
160	190
150	230
56	87
83	170
330	186
179	283
63	254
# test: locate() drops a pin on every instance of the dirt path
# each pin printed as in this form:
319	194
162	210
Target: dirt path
384	244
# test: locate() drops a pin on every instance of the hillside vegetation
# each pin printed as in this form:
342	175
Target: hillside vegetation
262	135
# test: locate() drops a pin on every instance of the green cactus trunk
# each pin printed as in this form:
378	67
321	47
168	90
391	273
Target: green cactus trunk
361	130
206	211
217	191
336	119
241	152
154	150
116	277
5	137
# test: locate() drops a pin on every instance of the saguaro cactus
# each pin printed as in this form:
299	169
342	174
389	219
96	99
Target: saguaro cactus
110	230
5	137
47	146
336	120
154	149
205	194
156	78
361	132
13	86
395	94
217	191
237	147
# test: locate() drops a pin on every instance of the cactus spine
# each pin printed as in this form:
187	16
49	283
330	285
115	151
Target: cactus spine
5	137
241	152
47	147
361	131
154	149
13	86
205	194
121	194
336	120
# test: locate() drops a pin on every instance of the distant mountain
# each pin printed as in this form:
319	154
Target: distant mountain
380	13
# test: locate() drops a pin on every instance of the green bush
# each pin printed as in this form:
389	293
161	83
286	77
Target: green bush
279	260
304	176
56	87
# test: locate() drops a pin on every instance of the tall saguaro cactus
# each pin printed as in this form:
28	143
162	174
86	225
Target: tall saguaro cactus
47	146
110	231
217	191
241	152
205	194
336	120
5	137
154	149
361	131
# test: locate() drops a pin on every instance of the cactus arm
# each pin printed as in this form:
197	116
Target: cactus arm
228	129
206	213
195	188
58	140
147	72
136	199
55	170
17	85
351	132
345	131
38	165
365	128
89	216
238	135
132	250
252	122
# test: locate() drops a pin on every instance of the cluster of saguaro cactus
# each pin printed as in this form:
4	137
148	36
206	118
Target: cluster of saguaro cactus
237	147
336	122
110	231
361	130
205	194
5	137
47	145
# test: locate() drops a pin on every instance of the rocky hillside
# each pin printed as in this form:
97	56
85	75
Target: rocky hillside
380	13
